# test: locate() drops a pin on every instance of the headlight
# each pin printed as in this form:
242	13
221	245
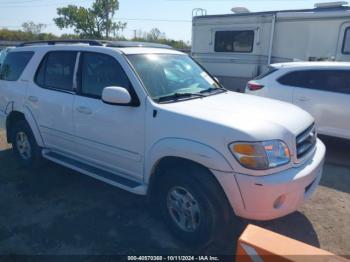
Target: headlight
261	155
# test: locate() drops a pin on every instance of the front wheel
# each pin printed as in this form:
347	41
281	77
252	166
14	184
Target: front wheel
195	211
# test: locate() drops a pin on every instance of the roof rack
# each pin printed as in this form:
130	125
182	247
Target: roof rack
97	43
69	41
134	44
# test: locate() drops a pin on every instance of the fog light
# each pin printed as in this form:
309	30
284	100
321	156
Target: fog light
279	202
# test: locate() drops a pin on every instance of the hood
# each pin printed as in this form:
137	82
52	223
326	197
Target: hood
257	117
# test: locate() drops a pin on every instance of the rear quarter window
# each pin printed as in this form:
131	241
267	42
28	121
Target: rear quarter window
14	65
269	71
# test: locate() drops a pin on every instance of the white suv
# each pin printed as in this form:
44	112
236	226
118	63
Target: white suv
153	122
320	88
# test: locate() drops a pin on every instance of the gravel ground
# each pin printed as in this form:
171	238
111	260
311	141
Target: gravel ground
58	211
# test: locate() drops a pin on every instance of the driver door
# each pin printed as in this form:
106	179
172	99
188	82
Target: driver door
108	135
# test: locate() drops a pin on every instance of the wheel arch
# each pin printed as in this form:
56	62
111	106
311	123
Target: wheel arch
187	149
26	115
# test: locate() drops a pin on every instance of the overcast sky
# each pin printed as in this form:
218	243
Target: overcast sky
173	17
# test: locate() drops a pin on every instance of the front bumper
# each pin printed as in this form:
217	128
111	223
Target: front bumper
255	197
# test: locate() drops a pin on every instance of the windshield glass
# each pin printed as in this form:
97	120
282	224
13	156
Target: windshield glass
166	75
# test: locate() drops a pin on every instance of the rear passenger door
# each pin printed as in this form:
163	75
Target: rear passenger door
50	99
326	95
110	136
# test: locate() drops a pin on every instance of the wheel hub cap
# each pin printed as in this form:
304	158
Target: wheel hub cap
23	145
183	209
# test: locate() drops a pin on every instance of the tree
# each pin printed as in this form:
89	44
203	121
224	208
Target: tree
31	27
155	34
94	22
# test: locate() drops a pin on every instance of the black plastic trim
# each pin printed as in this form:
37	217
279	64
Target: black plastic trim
94	170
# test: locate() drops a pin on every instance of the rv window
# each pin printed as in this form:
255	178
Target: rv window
234	41
346	44
324	80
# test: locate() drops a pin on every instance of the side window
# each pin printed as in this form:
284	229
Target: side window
56	70
234	41
324	80
99	71
14	65
297	79
337	81
346	43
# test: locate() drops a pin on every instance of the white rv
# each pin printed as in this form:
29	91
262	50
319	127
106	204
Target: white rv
239	46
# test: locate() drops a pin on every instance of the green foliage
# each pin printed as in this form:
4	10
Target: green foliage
95	22
18	35
156	36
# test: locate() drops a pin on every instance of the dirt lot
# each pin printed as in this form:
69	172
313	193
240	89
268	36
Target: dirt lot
58	211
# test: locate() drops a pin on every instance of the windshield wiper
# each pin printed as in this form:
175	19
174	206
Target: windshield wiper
177	96
211	89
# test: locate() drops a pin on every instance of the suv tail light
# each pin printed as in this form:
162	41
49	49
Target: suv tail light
253	86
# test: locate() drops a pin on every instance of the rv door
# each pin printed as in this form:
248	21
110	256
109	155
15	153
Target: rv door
343	50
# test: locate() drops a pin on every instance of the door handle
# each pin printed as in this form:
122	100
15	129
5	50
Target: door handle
84	110
33	99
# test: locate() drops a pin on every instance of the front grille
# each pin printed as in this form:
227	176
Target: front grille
306	141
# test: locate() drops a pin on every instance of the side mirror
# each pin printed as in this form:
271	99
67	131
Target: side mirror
116	95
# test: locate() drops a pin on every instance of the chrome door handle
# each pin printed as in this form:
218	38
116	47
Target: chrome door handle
84	110
33	99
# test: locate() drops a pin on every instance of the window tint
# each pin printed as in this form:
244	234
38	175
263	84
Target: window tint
269	71
14	65
100	71
56	70
325	80
234	41
346	44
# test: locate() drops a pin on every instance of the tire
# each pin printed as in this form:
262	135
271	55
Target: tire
208	209
24	145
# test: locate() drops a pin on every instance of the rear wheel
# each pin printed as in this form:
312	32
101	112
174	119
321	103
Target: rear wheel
194	209
24	145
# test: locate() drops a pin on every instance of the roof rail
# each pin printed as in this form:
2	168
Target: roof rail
97	43
69	41
134	44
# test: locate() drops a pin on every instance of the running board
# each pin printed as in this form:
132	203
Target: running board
95	172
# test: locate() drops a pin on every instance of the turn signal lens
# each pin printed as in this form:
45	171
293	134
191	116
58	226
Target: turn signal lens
244	149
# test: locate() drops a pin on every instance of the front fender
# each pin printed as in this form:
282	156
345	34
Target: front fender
187	149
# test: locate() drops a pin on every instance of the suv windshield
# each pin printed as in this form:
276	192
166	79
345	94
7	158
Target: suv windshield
169	77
